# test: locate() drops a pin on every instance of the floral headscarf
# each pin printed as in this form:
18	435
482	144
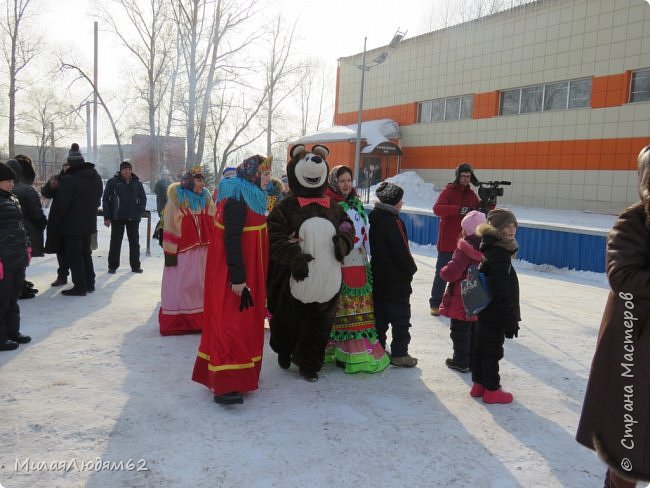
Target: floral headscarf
333	180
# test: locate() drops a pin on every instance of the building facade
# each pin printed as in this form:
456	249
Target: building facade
552	96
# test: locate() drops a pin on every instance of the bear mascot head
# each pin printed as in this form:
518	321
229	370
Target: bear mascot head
307	171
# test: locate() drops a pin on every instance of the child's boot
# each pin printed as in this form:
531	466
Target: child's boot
497	396
477	390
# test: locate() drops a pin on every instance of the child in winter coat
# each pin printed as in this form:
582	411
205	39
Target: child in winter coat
500	319
393	268
462	325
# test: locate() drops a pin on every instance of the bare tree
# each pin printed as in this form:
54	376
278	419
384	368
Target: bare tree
81	74
149	37
19	48
280	76
313	96
48	120
206	30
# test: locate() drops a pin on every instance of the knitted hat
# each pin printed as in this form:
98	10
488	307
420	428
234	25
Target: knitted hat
501	217
125	164
389	193
471	221
74	155
6	173
229	172
466	168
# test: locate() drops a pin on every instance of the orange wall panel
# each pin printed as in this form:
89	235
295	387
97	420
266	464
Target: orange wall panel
610	90
402	114
485	105
599	154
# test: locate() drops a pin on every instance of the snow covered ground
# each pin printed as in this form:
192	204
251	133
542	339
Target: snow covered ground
99	399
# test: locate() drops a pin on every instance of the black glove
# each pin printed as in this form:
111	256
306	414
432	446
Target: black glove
171	259
512	330
464	210
246	300
341	247
298	266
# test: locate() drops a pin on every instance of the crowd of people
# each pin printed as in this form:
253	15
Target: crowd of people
303	252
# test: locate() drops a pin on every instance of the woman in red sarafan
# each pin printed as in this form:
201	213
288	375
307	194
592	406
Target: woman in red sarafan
230	355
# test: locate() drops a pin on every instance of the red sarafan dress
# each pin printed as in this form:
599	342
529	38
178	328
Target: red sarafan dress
230	354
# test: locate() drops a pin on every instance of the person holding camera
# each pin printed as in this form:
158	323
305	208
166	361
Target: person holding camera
454	202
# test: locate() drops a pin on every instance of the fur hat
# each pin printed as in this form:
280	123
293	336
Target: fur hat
6	173
389	193
500	218
466	168
74	155
125	164
471	221
29	175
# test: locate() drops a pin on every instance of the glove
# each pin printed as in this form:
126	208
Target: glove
246	300
171	259
2	270
298	266
512	330
464	210
29	255
341	247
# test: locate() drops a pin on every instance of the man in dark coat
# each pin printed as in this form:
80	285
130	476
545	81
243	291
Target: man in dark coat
124	203
454	202
393	268
160	189
615	418
14	258
48	190
74	216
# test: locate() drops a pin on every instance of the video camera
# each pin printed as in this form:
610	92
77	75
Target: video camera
488	191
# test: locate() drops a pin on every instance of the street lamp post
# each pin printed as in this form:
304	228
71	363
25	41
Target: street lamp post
381	57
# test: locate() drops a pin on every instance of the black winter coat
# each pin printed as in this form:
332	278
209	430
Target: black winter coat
124	200
502	280
30	204
74	207
392	264
13	238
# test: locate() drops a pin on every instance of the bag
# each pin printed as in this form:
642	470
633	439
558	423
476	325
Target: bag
474	291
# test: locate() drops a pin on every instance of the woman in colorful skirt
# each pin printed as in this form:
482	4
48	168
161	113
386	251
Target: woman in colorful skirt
230	355
353	344
188	230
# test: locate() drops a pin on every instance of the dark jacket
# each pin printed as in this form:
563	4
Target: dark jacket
503	310
392	264
30	204
447	207
124	200
454	272
13	238
160	189
615	418
74	207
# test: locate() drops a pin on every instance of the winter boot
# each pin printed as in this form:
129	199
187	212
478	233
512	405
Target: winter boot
309	375
477	390
403	361
60	281
20	339
232	398
497	396
435	311
452	365
284	361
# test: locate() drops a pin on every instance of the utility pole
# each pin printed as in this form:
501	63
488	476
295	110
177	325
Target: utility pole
95	69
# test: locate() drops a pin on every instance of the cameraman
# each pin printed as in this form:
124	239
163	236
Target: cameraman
453	203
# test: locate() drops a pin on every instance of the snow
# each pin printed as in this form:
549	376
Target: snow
98	383
373	131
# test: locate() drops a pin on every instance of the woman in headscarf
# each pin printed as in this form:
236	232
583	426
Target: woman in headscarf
354	344
189	217
230	355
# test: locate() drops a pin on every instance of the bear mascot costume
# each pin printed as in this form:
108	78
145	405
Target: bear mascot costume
309	237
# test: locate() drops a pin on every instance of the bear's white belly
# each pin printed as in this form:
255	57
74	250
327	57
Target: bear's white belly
324	280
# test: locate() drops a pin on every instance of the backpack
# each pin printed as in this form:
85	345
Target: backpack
474	291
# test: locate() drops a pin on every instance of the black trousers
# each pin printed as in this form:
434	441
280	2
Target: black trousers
117	234
438	286
77	252
487	351
10	288
64	266
398	315
461	336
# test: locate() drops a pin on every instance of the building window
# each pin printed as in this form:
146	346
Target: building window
640	91
452	108
560	95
